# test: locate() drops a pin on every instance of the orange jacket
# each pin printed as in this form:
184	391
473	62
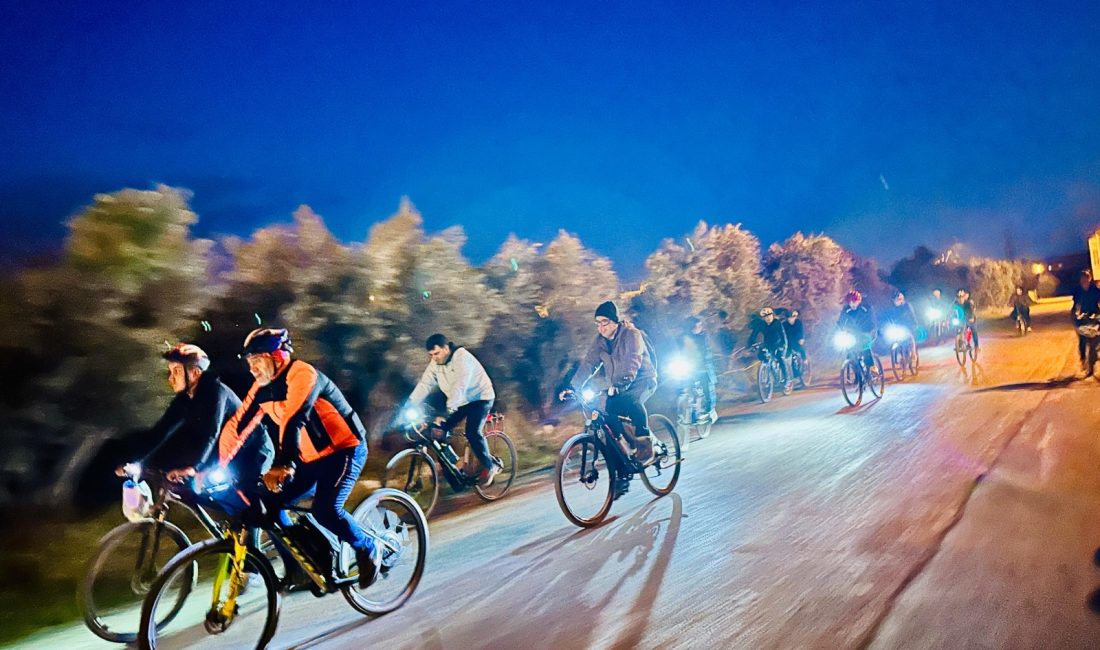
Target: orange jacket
313	417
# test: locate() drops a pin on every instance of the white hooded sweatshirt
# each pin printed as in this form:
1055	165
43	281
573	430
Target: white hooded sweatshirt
462	379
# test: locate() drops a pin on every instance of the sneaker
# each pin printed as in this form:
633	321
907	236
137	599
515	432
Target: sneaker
369	562
487	475
788	388
295	580
712	416
643	450
1029	328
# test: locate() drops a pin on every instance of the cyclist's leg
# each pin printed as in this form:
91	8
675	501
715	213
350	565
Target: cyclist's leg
335	476
631	403
474	414
1026	313
974	334
710	390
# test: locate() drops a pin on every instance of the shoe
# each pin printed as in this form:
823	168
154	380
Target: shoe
369	562
788	388
712	416
486	476
295	580
1029	328
622	486
643	450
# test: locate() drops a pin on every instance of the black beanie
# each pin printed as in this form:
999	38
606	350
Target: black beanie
608	310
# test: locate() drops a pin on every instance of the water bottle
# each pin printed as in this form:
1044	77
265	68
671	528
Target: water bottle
136	500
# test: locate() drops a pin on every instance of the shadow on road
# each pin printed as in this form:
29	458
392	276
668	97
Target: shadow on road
1050	384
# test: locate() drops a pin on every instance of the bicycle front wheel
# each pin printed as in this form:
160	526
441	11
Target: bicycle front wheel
876	378
661	476
225	609
850	384
583	481
396	522
764	384
897	363
415	473
502	450
121	573
960	350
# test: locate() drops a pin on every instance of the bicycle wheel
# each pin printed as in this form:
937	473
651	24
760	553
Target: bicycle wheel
960	350
876	379
913	358
415	473
120	574
897	363
394	520
661	476
501	449
805	372
583	481
972	350
764	383
205	619
850	384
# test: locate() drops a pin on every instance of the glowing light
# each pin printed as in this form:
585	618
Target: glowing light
679	368
844	340
896	333
413	416
934	314
587	394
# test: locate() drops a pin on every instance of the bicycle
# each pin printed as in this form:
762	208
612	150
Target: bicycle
964	343
692	416
416	473
1089	328
904	355
599	453
241	613
769	374
855	375
1021	324
131	554
801	368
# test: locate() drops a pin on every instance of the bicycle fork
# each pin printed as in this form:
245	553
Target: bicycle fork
231	569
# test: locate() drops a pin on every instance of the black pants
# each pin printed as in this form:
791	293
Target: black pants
631	403
474	413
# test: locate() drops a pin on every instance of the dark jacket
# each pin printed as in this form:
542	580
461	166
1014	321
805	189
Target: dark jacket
627	358
965	311
1087	301
859	320
902	315
795	332
313	417
774	335
188	432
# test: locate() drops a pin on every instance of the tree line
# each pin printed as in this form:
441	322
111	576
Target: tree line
79	355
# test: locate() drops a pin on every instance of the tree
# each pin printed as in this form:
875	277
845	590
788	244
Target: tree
810	273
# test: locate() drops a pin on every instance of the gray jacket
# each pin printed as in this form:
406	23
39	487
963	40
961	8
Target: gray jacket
626	358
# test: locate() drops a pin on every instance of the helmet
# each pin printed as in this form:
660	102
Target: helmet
767	311
266	340
853	296
189	355
899	294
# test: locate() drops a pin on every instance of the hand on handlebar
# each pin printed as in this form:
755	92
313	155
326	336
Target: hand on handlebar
180	475
276	477
566	394
612	390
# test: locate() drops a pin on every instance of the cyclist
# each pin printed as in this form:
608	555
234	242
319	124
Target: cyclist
321	440
694	346
188	430
796	333
630	372
460	376
1086	305
858	319
774	337
1085	285
901	313
965	313
1021	306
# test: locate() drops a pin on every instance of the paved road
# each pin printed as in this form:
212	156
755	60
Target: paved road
960	511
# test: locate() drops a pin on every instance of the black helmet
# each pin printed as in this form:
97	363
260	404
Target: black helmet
189	355
266	340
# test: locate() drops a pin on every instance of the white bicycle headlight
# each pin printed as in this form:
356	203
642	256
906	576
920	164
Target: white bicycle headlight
587	394
679	368
844	340
896	333
413	416
934	314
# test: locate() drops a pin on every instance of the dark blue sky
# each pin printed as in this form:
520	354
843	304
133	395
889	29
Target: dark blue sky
623	122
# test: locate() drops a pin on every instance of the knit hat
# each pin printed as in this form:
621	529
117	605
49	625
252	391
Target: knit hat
608	310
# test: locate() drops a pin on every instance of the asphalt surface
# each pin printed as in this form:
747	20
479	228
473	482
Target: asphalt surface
959	511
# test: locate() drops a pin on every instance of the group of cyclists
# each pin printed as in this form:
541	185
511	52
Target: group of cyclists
294	435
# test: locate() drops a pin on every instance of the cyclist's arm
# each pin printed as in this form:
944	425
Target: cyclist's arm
215	409
302	390
464	376
239	427
428	382
589	362
634	349
166	427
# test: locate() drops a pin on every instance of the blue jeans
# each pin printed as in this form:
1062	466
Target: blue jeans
330	479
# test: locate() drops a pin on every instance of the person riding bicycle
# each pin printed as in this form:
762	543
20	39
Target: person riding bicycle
1086	306
1085	288
1021	306
694	346
964	313
187	432
937	309
321	442
629	371
774	337
857	319
901	314
456	372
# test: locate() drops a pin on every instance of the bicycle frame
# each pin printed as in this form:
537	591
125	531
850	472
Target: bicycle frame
458	480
